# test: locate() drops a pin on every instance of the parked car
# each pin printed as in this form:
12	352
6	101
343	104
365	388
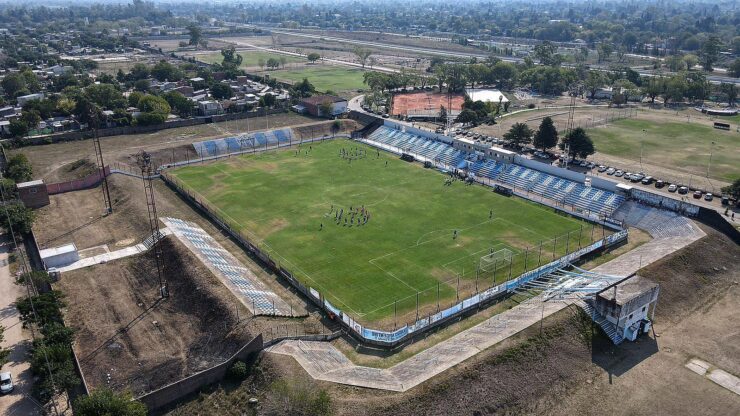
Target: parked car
6	383
591	165
647	180
583	164
618	173
659	184
602	168
683	190
610	171
697	194
725	200
708	197
672	187
637	177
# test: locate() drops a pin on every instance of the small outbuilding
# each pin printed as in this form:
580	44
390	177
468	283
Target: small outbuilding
629	305
59	256
33	194
314	105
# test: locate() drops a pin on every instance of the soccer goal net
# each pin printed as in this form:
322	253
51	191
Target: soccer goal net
497	258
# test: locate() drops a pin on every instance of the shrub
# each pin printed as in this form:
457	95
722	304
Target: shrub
238	371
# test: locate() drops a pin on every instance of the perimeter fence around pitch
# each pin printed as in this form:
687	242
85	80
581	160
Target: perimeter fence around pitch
473	288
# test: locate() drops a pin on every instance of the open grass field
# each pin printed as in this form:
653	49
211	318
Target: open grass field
679	145
287	203
324	77
249	58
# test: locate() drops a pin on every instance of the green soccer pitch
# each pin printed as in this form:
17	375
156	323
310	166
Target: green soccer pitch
412	232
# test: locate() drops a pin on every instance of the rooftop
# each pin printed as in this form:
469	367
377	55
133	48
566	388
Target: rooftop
29	184
318	99
627	289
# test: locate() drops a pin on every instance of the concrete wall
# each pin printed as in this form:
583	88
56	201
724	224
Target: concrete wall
89	181
179	389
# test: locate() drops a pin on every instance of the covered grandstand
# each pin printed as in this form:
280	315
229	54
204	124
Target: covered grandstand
245	142
560	190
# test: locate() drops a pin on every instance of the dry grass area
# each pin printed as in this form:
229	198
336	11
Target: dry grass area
570	368
47	159
128	338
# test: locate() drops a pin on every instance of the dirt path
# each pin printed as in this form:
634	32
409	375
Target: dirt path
19	401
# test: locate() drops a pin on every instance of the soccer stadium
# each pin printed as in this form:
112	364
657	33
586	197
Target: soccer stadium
381	241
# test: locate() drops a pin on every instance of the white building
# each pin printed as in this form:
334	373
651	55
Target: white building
26	98
59	256
486	95
628	306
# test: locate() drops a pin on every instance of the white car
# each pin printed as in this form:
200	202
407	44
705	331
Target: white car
672	187
610	171
618	173
6	383
602	168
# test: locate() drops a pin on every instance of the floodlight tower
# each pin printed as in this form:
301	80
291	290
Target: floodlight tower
144	160
94	121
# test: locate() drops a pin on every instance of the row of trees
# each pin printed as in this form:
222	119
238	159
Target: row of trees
576	141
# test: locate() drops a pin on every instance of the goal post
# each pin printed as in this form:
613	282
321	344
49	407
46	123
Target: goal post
489	261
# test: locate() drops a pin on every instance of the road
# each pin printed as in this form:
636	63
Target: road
19	402
716	79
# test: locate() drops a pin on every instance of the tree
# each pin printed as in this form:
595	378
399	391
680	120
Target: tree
153	104
734	69
730	91
221	91
273	63
268	100
546	53
303	89
362	55
326	108
106	402
519	134
547	135
142	85
467	116
605	50
18	168
283	61
138	71
690	60
18	128
105	96
261	63
14	84
195	34
313	57
4	352
579	143
231	58
652	88
19	217
594	81
165	71
674	89
335	127
733	190
178	102
709	53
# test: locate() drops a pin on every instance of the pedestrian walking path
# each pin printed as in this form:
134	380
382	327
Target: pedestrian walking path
113	255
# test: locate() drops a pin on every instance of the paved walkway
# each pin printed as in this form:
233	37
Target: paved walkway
110	256
324	362
19	401
717	375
